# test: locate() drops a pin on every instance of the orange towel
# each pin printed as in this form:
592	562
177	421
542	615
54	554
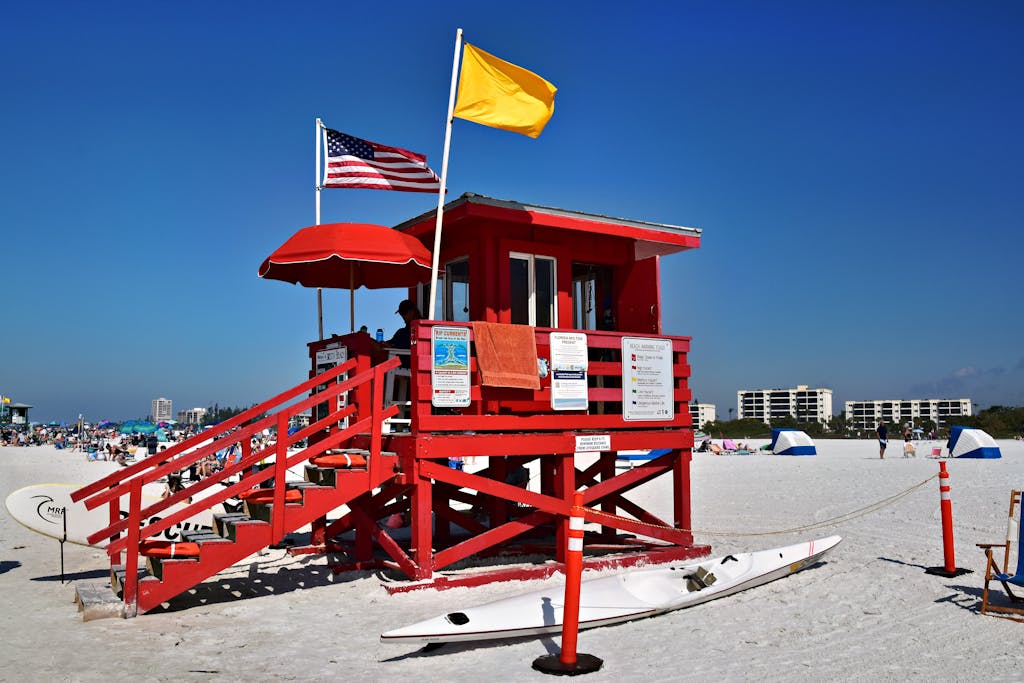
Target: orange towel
506	355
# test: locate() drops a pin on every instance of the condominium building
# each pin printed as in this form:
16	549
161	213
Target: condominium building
161	409
193	416
867	414
702	413
802	403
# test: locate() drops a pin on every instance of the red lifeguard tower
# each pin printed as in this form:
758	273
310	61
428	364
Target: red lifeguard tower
577	294
546	360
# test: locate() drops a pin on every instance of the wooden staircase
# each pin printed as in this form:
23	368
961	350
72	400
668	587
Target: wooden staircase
235	536
263	523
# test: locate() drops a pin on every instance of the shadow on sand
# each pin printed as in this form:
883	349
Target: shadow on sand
445	649
905	564
258	581
77	576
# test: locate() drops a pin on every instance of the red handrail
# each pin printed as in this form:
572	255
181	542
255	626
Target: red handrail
117	477
376	413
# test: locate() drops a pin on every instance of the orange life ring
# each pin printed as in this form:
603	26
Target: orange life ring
168	549
265	496
340	460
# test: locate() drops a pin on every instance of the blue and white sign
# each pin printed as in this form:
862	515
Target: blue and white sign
449	370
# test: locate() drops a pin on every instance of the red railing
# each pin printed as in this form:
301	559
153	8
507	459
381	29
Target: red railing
275	412
503	409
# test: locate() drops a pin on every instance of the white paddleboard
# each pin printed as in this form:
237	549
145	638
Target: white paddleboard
610	600
44	508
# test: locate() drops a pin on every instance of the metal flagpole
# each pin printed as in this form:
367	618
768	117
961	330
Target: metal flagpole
316	176
444	178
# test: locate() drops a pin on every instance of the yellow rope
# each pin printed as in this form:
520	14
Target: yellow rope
874	507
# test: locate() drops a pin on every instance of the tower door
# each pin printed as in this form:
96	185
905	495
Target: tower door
593	305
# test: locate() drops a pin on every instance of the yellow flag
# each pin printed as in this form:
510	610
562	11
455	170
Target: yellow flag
499	94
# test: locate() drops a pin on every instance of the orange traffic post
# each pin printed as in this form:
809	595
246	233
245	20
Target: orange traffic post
946	508
569	662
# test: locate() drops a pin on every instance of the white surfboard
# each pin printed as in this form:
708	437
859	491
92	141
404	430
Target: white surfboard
610	600
44	508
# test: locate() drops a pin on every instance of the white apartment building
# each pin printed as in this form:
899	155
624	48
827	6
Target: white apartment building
802	403
193	416
702	413
161	409
867	414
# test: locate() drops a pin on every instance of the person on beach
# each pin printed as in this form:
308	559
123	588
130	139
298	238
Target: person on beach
402	338
883	433
174	484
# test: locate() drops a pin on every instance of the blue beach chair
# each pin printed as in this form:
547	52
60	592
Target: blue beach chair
993	571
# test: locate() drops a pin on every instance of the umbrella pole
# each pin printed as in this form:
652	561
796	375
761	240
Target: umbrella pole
351	298
320	311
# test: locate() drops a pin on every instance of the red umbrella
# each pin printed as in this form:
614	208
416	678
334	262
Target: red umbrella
349	256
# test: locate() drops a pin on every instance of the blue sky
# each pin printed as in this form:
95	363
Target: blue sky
855	168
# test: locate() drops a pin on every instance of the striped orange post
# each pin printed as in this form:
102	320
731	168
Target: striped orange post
946	508
569	662
947	519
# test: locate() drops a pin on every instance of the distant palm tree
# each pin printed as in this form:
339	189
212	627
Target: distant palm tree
730	412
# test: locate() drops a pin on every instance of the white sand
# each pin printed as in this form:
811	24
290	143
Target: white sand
868	613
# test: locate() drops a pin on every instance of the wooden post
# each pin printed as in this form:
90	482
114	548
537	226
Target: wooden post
131	564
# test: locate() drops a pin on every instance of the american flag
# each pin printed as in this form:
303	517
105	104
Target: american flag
362	164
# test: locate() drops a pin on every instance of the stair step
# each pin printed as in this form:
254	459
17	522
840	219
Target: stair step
117	574
219	521
300	485
97	600
201	535
225	525
328	476
259	512
156	565
321	476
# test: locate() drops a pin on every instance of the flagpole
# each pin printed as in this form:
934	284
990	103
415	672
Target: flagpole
444	178
316	179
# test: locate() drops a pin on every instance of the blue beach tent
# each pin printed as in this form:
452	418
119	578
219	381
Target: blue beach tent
966	442
792	442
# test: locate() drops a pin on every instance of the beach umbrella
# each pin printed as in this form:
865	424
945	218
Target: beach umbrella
137	427
128	427
349	256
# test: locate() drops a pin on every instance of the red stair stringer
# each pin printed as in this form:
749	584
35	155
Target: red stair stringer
251	536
